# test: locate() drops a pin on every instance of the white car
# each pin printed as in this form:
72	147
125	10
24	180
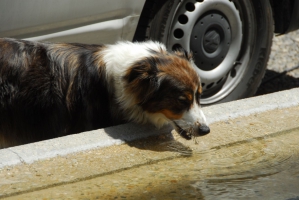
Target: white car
230	39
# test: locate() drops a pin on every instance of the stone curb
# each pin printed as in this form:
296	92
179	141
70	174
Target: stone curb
127	132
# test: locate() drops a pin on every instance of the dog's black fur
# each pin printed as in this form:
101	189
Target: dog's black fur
50	90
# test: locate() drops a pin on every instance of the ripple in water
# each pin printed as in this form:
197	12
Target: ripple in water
258	157
260	168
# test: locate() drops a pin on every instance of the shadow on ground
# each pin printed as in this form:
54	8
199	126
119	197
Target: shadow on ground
141	137
275	82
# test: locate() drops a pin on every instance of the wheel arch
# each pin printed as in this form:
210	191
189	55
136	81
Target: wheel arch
149	10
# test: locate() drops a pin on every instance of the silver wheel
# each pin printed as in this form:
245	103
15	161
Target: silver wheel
212	30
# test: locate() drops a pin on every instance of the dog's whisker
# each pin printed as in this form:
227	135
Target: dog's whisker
195	140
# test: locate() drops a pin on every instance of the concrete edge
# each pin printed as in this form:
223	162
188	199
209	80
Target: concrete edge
100	138
249	106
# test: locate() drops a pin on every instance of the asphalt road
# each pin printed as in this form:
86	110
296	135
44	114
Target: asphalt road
282	71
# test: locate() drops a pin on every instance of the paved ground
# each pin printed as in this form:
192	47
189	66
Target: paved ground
284	56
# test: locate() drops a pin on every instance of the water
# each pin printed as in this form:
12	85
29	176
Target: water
260	168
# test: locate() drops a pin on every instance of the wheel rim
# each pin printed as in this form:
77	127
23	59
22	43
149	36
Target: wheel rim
215	40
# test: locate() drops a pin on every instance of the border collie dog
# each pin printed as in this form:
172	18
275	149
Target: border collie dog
54	89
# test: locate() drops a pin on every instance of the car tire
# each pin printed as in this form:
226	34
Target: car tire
230	41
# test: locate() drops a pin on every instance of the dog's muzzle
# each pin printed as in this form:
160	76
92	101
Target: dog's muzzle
197	130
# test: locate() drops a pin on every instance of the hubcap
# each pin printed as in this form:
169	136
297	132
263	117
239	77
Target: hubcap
210	41
212	30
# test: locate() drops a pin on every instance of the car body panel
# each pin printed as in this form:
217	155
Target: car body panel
88	21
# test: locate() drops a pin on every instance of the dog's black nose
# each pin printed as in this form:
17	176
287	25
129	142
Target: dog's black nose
203	130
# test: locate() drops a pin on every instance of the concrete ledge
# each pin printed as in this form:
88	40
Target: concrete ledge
129	132
246	107
77	142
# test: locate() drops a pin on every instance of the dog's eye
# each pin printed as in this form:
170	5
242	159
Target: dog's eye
182	98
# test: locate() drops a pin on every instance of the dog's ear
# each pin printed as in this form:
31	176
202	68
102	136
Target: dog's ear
142	80
184	54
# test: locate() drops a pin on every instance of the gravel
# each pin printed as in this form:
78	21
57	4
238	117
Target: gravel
284	56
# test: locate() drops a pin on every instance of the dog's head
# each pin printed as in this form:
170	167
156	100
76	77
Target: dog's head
167	87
